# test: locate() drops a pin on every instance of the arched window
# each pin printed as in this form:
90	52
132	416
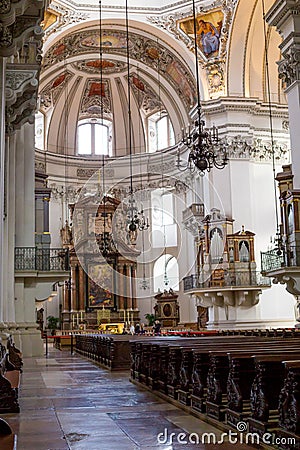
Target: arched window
164	228
160	132
244	251
94	137
166	273
39	130
216	246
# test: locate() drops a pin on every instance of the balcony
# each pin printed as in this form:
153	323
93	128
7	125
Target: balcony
33	259
283	266
276	259
228	281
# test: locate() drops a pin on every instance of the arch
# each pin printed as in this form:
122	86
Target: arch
166	273
246	66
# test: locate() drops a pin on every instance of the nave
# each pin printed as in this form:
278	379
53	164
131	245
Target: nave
70	403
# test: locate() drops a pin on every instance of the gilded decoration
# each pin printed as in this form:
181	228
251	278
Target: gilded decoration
57	17
142	49
93	66
96	98
213	26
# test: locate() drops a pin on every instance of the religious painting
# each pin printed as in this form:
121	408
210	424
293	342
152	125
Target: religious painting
208	30
96	89
50	18
108	40
176	72
60	79
100	286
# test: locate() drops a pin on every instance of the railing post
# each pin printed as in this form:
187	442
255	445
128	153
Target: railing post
46	337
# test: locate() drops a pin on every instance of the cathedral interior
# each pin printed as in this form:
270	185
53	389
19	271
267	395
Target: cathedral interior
149	168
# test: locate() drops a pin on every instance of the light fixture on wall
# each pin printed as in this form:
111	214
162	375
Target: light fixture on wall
136	219
207	150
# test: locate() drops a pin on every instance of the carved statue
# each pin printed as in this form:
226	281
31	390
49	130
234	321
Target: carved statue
66	234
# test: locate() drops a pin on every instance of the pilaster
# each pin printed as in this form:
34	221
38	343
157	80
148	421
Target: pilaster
285	15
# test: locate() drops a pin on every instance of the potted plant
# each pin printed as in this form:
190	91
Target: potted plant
52	324
150	318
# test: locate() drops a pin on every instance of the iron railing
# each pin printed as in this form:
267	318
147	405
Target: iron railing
230	279
41	259
278	258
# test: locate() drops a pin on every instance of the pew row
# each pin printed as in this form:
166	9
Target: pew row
244	381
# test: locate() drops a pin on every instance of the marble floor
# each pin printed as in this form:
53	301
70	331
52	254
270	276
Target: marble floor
70	403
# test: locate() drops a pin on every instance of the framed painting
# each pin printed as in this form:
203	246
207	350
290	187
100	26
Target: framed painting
208	29
100	286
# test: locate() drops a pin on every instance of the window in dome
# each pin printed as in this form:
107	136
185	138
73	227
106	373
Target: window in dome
160	132
39	130
94	137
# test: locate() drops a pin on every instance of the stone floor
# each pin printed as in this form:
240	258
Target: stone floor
68	402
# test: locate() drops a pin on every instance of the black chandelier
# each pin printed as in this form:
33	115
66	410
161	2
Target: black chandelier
136	219
207	150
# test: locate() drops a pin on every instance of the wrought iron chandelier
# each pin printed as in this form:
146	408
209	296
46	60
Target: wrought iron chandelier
136	219
207	150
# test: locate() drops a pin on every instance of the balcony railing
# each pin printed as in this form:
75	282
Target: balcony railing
276	259
234	279
41	259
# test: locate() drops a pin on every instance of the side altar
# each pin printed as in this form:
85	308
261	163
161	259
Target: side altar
102	286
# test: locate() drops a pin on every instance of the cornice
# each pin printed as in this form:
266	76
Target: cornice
281	10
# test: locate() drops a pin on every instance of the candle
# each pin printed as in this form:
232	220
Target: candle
73	321
77	318
124	316
81	316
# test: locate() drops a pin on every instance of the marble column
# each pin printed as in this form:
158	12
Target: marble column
285	15
81	297
126	286
73	289
133	287
66	298
120	287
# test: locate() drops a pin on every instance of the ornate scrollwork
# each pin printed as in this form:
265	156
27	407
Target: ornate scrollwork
289	402
258	402
289	66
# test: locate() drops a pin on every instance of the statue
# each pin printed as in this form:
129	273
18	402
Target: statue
66	235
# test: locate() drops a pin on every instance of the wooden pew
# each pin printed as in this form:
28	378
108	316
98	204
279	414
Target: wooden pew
265	390
8	396
289	407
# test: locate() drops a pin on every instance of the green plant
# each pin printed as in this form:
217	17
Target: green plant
150	318
52	322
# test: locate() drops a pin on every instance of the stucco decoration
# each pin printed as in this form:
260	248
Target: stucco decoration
94	66
142	49
52	91
96	99
257	150
58	17
213	27
146	98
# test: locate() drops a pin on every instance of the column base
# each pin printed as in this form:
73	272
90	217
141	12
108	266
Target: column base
26	337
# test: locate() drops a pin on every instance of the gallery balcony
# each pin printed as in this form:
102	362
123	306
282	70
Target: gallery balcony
225	288
34	259
283	266
236	280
